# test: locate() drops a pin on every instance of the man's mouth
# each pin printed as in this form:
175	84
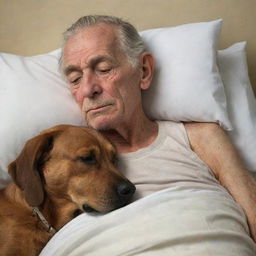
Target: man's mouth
98	108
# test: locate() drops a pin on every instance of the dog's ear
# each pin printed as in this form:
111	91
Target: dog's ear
25	169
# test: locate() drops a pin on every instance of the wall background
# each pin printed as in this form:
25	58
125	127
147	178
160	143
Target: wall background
29	27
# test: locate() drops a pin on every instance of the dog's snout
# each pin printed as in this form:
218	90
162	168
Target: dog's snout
126	189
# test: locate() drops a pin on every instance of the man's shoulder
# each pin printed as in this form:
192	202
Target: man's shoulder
196	131
200	134
202	128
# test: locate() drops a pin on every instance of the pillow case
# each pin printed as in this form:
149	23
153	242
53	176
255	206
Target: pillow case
241	102
33	95
187	85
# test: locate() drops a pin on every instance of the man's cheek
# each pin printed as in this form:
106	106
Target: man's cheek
79	98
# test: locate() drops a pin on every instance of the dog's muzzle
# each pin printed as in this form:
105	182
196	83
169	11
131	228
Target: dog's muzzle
123	194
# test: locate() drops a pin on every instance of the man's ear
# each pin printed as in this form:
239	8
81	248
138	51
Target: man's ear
147	63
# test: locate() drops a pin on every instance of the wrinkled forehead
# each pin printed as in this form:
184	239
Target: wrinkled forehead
100	37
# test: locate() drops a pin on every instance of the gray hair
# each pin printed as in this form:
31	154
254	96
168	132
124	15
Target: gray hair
130	41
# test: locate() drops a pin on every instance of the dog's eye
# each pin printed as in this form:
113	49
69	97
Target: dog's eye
91	160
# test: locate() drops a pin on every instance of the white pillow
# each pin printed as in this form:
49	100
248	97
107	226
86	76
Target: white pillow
187	85
241	101
33	97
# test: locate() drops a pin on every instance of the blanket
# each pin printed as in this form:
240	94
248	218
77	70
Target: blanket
173	222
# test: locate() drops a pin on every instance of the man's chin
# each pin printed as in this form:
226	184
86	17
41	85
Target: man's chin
101	125
103	121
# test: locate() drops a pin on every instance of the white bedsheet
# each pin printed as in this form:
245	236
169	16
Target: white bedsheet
170	222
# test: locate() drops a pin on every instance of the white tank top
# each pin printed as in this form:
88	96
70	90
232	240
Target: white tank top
168	161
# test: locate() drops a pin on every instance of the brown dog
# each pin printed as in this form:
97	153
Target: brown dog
59	174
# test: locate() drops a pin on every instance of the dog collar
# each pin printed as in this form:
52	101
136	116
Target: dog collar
36	212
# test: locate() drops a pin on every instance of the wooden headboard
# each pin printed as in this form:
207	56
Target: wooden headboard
29	27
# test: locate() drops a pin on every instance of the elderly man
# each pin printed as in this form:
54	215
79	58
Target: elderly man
105	62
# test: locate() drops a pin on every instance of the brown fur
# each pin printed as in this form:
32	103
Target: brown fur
62	171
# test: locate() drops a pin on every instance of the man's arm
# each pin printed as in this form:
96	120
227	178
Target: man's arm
213	146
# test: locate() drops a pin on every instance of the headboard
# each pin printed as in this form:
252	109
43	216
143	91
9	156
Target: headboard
30	27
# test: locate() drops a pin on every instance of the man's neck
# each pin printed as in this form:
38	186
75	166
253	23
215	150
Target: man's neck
130	139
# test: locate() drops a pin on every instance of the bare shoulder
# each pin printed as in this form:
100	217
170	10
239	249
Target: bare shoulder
202	126
212	144
203	133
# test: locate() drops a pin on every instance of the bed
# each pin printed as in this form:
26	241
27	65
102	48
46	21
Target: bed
205	49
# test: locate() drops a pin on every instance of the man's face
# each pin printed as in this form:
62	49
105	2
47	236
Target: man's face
103	82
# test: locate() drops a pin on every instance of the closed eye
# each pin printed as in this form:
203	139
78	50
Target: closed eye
90	159
104	70
75	81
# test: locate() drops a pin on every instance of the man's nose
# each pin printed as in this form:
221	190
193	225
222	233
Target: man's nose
89	87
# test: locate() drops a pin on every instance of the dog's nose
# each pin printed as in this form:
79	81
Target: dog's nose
126	189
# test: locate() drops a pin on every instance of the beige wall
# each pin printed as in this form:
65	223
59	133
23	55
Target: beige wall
29	27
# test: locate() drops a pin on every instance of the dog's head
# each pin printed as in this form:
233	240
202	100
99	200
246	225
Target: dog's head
71	163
